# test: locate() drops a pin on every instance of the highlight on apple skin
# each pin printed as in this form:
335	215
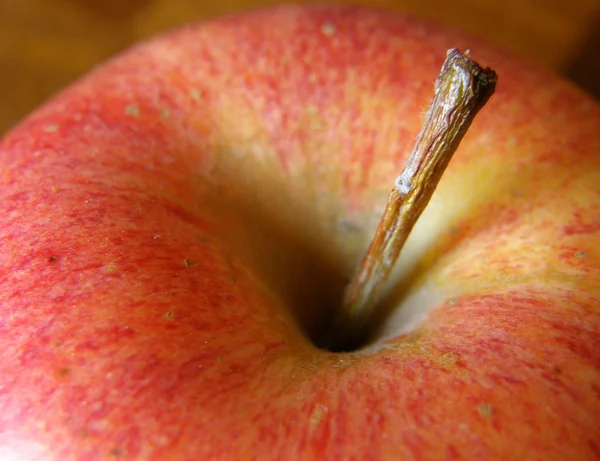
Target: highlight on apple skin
179	225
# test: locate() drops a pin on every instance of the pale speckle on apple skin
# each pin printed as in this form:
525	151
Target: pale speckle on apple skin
132	110
341	364
328	29
162	440
52	128
110	268
318	413
195	94
485	410
448	360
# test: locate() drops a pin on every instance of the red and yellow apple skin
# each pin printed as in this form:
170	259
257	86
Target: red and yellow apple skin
173	222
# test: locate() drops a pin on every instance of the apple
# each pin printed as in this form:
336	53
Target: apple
179	225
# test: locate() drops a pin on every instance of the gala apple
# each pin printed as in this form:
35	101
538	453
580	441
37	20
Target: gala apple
179	226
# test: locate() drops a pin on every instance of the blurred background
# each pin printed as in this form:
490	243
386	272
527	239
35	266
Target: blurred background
45	44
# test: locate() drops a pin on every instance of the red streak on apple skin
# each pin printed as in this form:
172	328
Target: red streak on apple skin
580	226
137	323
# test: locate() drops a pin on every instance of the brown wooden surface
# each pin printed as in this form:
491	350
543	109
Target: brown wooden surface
45	44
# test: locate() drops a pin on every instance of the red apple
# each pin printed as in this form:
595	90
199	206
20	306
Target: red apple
178	225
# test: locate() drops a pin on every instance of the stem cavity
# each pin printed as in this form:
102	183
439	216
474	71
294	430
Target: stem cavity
462	88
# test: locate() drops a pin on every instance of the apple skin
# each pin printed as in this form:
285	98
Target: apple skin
174	222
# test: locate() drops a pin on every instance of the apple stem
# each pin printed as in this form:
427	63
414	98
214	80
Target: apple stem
461	90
